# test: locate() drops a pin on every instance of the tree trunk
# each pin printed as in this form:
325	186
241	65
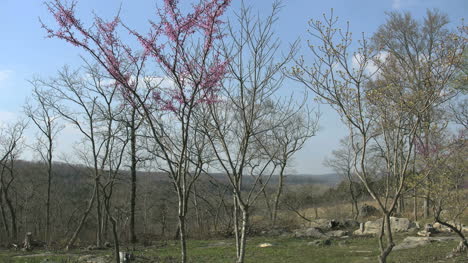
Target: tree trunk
105	226
426	206
27	241
183	243
99	216
4	220
415	205
243	234
386	230
114	230
354	201
49	183
72	240
116	239
133	171
236	226
14	227
399	205
278	194
197	210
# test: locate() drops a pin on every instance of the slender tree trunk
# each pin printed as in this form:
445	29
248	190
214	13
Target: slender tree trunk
13	223
426	205
105	226
181	215
72	240
114	229
354	202
116	239
183	243
279	191
99	216
385	231
243	234
197	211
49	183
4	220
400	205
236	226
415	205
133	171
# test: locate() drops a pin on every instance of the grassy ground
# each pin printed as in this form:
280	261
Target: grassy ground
355	250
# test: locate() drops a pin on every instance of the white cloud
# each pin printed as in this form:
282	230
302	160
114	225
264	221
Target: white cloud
371	68
5	74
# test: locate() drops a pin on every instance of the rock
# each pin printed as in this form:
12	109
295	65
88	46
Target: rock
368	210
400	224
265	245
336	233
424	233
373	227
412	242
275	232
430	228
441	228
320	223
312	232
349	223
320	242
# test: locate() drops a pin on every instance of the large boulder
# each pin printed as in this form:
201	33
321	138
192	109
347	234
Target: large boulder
412	242
400	224
373	227
348	223
311	232
332	224
320	223
441	228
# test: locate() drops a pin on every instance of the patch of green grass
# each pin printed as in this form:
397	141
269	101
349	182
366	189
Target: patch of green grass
354	250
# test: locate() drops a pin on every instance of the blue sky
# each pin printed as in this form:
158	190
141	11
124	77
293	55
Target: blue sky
26	53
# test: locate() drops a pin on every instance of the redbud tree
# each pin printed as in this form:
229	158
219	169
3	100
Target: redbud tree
182	46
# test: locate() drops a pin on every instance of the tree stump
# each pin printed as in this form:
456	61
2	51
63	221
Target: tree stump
27	242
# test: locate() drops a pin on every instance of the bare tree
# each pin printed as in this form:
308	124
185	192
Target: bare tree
290	136
79	101
42	116
187	59
342	163
428	56
238	122
382	109
11	145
